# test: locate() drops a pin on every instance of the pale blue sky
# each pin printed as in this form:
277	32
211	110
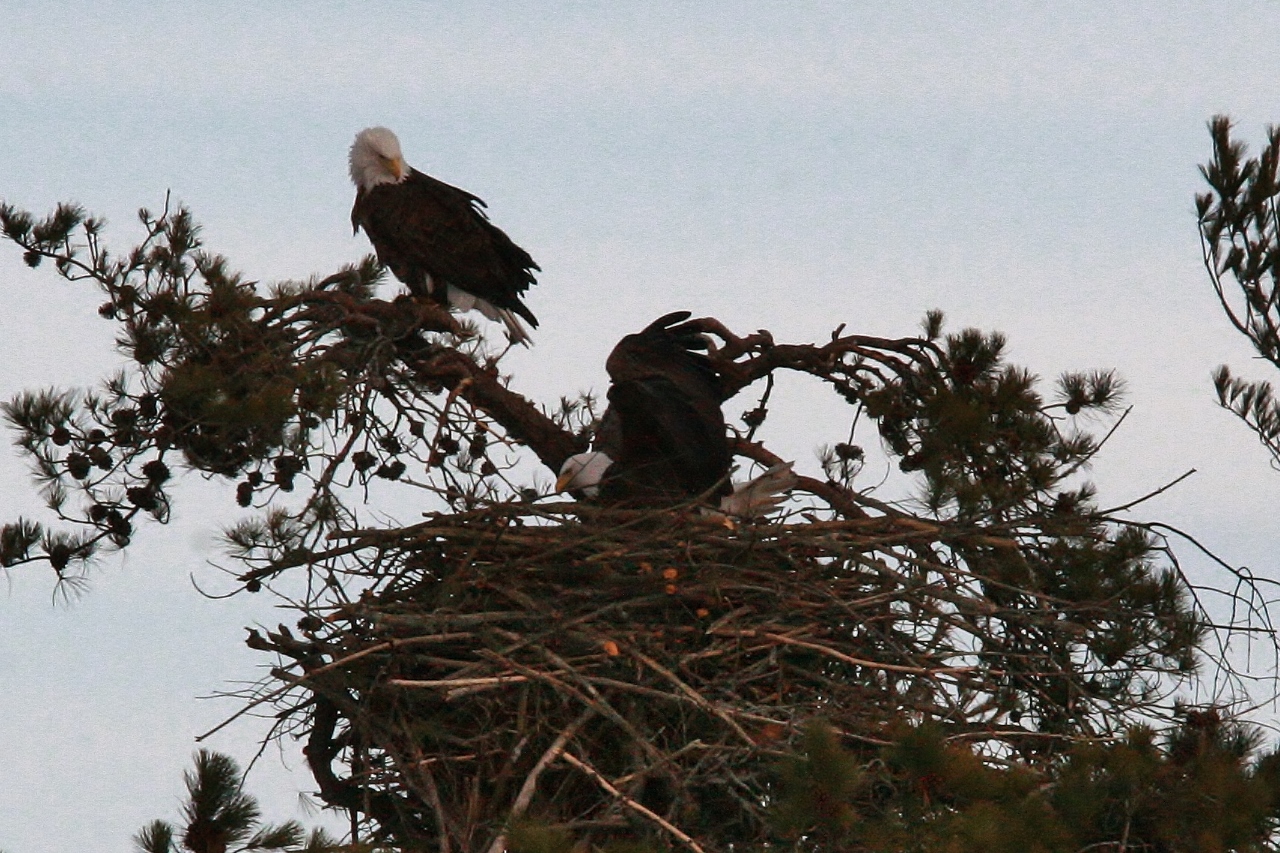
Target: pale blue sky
1027	167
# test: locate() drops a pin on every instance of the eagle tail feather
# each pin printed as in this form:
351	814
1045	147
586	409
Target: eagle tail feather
461	300
760	494
515	329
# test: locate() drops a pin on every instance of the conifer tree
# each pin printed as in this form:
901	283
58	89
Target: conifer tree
218	817
968	668
1240	235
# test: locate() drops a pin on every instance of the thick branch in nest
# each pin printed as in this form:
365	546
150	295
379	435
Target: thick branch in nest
848	362
481	386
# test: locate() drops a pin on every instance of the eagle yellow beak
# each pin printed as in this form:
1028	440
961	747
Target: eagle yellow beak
562	482
395	165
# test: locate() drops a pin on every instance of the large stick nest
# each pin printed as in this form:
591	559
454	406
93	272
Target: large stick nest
622	671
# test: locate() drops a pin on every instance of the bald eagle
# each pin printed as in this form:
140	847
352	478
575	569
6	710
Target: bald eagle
437	238
663	438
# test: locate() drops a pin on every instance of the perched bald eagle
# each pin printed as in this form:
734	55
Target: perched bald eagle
663	439
435	237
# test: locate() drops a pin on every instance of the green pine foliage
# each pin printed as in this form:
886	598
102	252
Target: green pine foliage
989	446
222	381
1204	789
1240	235
529	836
218	817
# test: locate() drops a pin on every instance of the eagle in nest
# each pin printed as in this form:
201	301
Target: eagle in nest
663	438
437	238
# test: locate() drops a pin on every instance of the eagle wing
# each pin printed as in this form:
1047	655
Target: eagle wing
672	446
424	227
664	415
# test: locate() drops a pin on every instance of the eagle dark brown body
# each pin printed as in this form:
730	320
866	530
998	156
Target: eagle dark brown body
663	440
426	231
664	427
436	238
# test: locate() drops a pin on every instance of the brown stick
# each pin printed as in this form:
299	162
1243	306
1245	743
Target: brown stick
531	781
522	420
632	804
450	683
697	697
433	796
870	664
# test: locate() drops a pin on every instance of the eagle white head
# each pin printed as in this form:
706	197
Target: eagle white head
583	472
376	159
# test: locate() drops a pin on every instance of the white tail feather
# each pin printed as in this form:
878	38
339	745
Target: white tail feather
515	328
760	494
461	300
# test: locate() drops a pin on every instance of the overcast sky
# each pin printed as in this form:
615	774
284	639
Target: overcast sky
1026	167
